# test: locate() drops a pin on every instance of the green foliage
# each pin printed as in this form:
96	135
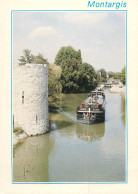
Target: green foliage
69	60
103	75
39	59
54	86
115	75
29	58
75	76
97	79
26	58
69	56
88	77
17	130
123	76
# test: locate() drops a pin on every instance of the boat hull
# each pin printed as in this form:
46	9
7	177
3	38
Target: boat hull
92	108
91	118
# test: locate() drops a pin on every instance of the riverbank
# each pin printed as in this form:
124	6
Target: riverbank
18	137
119	89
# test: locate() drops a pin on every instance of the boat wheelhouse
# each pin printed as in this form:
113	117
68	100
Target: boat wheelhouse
92	110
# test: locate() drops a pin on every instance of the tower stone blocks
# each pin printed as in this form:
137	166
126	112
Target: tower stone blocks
30	98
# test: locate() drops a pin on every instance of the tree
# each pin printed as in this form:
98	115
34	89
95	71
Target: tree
54	86
39	59
29	58
115	75
103	74
76	76
69	60
123	76
97	79
88	77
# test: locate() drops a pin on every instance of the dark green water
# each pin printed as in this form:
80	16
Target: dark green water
74	152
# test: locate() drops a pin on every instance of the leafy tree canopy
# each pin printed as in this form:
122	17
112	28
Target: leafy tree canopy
68	55
103	74
123	76
29	58
54	86
115	75
76	76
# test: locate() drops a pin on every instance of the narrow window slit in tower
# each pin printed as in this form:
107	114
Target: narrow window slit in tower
23	97
36	119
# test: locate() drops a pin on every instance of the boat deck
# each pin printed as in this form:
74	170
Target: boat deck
92	108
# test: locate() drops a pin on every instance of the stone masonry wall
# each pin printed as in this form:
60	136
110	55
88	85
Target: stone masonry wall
30	98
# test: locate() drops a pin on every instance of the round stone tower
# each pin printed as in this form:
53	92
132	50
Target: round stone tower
30	98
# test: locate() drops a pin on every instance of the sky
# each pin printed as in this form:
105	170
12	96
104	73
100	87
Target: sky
101	36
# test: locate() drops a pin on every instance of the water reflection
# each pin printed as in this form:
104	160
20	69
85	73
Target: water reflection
31	165
84	132
123	109
90	132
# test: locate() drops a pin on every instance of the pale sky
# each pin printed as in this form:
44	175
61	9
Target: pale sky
101	36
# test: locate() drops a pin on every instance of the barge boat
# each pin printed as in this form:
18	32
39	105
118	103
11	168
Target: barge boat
92	110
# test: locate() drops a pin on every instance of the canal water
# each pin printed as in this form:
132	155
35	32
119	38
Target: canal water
75	152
